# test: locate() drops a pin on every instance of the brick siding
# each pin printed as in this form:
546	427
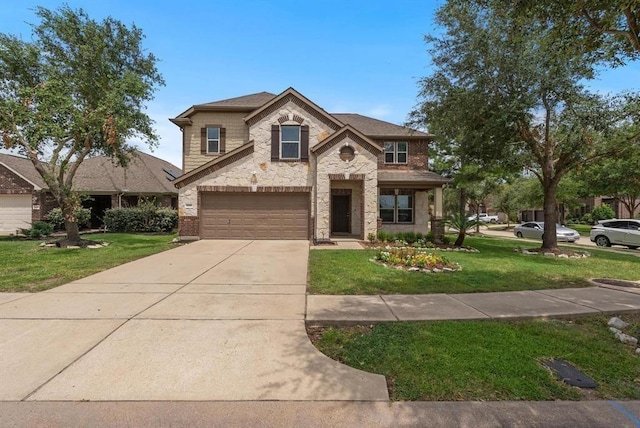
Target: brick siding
417	159
188	226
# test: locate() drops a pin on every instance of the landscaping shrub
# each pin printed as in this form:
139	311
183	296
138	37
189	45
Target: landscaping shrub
400	236
603	212
419	236
587	219
39	229
429	237
371	237
384	236
56	219
141	219
410	237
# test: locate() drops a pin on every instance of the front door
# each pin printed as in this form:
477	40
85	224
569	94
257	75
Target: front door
340	210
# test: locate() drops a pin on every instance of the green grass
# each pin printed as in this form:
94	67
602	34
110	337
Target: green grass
28	267
582	229
496	268
489	360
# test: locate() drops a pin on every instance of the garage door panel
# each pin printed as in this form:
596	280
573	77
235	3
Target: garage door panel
15	212
254	215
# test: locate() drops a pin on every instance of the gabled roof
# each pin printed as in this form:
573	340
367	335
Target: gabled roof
347	131
245	103
24	168
144	174
250	101
291	95
376	128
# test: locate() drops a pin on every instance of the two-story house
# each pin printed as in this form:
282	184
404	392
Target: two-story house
265	166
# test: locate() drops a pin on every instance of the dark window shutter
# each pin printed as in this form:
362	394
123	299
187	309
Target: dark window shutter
203	141
275	142
223	140
304	143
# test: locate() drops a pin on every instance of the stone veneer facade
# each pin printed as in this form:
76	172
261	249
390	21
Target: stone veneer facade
323	173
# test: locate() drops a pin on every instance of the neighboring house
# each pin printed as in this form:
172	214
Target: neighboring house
24	197
266	166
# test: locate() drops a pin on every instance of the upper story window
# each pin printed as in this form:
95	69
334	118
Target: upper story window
289	142
395	152
213	140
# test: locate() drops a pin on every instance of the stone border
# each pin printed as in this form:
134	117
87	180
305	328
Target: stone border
577	255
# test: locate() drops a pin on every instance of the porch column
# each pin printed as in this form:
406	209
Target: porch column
437	222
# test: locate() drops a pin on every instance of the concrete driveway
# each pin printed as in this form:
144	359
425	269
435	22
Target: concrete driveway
212	320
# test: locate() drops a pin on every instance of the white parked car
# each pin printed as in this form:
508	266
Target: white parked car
535	229
616	232
484	218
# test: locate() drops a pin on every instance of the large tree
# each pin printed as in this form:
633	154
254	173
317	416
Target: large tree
77	89
506	91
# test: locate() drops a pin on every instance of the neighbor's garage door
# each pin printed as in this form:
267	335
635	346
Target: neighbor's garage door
254	215
15	212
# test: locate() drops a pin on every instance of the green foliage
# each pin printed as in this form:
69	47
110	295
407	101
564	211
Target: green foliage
133	220
371	237
462	224
411	257
587	219
39	229
77	88
410	237
55	217
603	212
506	94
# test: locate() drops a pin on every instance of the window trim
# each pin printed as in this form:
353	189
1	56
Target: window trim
395	152
396	208
298	141
208	140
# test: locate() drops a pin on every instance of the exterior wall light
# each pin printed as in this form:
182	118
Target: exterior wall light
254	182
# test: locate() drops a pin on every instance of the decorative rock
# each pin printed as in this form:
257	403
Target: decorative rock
638	351
94	246
436	270
44	244
625	338
446	269
50	245
549	255
105	244
72	247
614	330
563	256
413	269
617	323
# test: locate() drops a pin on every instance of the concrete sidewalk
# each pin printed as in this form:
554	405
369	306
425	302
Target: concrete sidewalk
347	310
471	414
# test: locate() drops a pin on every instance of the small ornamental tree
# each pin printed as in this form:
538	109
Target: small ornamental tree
78	89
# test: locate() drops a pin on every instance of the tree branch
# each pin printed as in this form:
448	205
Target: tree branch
76	164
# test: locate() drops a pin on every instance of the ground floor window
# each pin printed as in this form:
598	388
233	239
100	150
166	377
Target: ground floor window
396	205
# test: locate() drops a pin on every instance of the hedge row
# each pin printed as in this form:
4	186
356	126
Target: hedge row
140	220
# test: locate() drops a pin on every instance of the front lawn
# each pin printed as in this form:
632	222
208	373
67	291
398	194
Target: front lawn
489	360
582	229
495	268
28	267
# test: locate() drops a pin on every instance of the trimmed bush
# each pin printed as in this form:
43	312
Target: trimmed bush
39	229
603	212
55	218
135	220
410	237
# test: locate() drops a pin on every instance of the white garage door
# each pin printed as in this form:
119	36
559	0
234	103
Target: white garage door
15	212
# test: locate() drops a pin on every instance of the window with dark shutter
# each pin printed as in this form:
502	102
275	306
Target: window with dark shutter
203	141
223	140
275	142
304	143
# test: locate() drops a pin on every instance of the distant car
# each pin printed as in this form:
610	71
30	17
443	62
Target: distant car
484	218
534	230
616	232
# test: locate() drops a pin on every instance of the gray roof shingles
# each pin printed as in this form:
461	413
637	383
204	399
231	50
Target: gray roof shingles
144	174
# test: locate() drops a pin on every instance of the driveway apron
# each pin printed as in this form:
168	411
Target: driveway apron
212	320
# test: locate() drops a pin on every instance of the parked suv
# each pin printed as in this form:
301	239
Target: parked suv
616	232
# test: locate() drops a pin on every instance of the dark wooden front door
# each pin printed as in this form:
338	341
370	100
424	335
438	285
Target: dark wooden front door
340	213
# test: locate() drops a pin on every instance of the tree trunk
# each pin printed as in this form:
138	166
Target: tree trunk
549	237
460	239
71	223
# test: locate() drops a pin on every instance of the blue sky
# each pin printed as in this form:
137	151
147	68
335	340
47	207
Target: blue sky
347	56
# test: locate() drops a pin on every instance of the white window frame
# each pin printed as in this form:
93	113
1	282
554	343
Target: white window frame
298	141
211	140
396	152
